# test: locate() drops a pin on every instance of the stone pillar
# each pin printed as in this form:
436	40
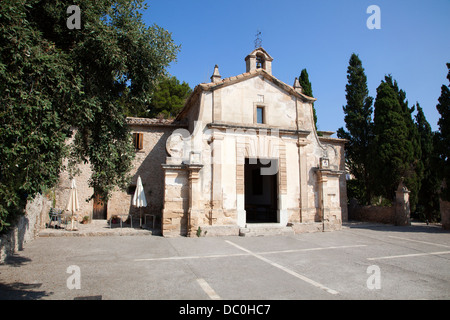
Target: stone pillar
216	175
329	198
176	200
303	179
240	186
445	214
195	211
402	206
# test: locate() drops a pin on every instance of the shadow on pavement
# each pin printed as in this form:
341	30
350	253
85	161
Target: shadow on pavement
22	291
414	227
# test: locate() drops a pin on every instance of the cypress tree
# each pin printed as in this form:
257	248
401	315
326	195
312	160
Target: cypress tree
358	120
414	172
392	150
443	137
307	89
428	199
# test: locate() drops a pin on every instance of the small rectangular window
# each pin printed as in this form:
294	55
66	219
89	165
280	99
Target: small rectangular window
138	141
259	115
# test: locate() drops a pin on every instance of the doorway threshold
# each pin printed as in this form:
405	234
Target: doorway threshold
265	229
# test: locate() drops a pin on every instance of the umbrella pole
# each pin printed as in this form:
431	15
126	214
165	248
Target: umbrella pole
140	217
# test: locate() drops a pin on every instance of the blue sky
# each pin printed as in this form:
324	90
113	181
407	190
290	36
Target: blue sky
413	44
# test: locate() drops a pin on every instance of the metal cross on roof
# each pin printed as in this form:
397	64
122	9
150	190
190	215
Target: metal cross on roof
258	40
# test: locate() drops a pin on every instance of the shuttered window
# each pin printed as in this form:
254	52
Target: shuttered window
138	140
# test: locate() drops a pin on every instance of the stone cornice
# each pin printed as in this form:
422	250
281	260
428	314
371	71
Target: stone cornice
222	125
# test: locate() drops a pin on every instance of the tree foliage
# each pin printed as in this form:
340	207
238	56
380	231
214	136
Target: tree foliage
396	151
307	89
358	121
53	79
414	174
169	97
391	145
428	198
443	137
167	100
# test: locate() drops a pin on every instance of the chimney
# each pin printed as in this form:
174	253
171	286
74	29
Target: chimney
215	78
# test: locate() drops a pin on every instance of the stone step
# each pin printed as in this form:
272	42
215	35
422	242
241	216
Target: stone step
264	229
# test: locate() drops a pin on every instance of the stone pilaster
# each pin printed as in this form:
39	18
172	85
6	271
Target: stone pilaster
329	199
195	211
303	178
176	201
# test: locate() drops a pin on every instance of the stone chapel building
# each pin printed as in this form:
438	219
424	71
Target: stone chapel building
242	154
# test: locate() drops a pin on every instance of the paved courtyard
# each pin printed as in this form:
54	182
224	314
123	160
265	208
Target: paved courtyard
361	261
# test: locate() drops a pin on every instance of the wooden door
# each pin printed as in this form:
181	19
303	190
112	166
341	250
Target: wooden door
100	207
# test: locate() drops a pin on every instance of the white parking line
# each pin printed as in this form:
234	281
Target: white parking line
436	244
291	272
193	257
410	255
208	290
247	254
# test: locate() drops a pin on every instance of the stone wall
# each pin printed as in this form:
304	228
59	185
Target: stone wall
377	214
445	214
397	214
147	165
27	227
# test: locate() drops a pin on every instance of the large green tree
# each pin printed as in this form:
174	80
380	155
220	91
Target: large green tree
413	176
392	151
428	198
54	79
443	137
307	89
169	98
359	133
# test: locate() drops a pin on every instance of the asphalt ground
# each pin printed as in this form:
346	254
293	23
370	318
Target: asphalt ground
361	261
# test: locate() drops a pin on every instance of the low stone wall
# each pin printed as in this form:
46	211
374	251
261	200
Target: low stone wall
445	214
27	227
398	213
372	214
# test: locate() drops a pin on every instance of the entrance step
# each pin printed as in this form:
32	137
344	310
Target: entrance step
264	229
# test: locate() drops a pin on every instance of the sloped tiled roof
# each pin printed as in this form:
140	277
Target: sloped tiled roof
153	122
253	73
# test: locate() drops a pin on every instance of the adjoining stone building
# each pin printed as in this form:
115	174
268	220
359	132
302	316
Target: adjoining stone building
243	151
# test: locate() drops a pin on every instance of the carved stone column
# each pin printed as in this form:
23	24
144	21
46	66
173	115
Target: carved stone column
195	211
303	178
176	200
329	198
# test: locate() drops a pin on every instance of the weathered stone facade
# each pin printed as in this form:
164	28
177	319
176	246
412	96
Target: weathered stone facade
205	173
244	149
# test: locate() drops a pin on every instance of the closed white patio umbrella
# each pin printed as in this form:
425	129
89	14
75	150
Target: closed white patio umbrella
73	204
139	198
